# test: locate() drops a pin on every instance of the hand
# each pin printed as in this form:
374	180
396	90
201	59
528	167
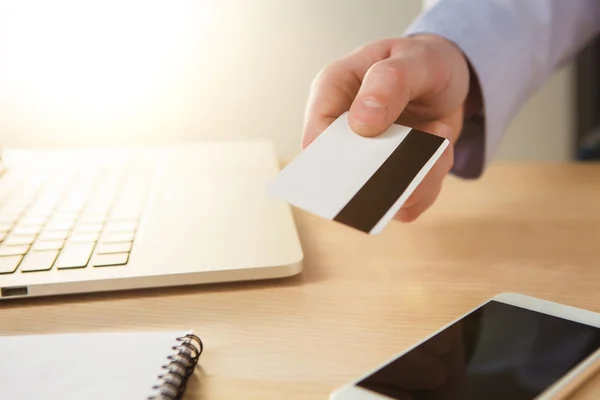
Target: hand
421	82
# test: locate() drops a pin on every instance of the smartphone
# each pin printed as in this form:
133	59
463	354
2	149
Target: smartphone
512	346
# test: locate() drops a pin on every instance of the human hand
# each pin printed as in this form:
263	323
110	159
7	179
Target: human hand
421	82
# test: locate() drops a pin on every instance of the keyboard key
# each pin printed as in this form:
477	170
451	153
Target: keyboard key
74	207
101	200
75	255
27	230
118	237
89	228
84	237
108	248
50	197
121	226
60	225
13	250
15	209
48	245
54	235
40	212
9	264
32	221
109	260
5	226
38	261
60	216
13	240
94	218
122	214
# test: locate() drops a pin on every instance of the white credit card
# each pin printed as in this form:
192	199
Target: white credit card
358	181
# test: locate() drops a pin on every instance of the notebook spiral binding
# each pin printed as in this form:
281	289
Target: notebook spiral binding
180	367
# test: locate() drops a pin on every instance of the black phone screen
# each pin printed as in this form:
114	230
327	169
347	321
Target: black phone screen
496	352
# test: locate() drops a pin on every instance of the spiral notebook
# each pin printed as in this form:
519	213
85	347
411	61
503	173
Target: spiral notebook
98	366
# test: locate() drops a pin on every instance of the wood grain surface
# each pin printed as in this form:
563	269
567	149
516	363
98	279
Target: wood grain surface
533	229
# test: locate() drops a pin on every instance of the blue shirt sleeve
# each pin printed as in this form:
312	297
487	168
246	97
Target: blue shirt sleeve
513	47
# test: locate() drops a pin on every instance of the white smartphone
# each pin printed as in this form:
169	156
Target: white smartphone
513	347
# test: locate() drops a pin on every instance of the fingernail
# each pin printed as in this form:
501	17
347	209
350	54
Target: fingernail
370	112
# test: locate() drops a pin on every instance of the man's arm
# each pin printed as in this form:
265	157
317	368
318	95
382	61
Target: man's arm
513	47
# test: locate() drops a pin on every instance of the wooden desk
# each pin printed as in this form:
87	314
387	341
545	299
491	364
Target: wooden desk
360	300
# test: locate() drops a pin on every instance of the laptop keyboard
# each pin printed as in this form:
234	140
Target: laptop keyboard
70	218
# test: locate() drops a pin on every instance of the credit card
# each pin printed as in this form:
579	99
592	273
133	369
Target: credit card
358	181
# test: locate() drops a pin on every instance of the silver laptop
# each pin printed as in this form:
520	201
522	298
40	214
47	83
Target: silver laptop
91	220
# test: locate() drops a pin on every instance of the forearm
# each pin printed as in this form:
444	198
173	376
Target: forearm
513	46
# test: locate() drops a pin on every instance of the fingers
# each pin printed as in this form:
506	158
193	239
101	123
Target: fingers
426	76
412	213
427	192
330	96
335	87
380	100
413	80
374	84
389	85
429	189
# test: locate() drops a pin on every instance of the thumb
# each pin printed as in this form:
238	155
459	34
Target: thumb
387	88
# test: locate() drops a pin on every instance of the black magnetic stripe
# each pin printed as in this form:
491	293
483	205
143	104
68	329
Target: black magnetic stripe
390	180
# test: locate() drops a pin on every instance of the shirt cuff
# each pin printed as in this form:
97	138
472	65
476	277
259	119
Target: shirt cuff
470	149
464	25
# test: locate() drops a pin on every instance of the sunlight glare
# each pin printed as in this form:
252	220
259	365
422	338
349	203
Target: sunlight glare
96	59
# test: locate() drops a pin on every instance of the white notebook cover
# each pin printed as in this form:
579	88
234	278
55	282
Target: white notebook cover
93	365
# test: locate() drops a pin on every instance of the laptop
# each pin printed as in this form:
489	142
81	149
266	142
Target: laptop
95	220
